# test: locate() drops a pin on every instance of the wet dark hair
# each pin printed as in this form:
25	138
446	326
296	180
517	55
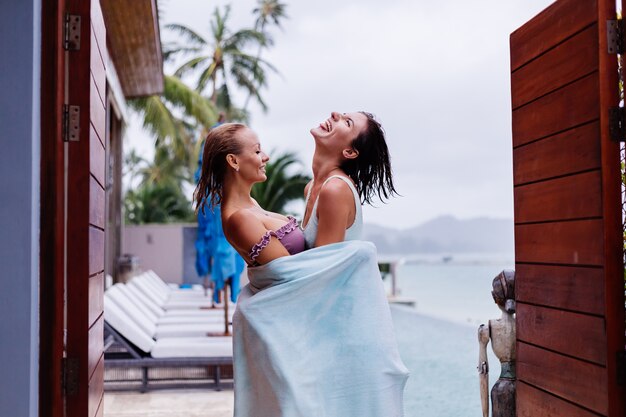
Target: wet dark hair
371	169
221	141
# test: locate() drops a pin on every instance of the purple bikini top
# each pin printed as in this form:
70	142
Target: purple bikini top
289	235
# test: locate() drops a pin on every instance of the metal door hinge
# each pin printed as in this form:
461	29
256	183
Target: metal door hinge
71	123
621	368
70	376
617	124
71	32
615	36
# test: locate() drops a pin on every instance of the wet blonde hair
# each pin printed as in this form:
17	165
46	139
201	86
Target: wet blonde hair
221	141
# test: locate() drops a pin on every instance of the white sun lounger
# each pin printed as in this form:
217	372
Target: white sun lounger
143	352
163	290
115	295
159	317
153	306
177	294
175	290
220	346
164	300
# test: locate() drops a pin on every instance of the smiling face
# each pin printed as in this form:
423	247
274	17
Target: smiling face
250	163
339	130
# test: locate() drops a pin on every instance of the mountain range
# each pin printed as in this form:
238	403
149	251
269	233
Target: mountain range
445	234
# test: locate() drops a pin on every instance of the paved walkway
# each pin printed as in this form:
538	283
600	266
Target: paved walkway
174	403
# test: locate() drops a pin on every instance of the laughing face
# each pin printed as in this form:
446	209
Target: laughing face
339	130
252	160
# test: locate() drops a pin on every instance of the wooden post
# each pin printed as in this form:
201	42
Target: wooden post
393	270
226	326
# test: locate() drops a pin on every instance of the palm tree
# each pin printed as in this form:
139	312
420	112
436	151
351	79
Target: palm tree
281	187
176	118
267	11
132	166
222	58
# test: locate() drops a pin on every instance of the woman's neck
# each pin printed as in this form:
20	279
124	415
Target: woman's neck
323	167
236	194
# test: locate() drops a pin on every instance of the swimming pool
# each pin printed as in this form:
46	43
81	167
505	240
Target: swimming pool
438	339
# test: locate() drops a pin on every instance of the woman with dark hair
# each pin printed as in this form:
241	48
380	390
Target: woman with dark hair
315	317
351	166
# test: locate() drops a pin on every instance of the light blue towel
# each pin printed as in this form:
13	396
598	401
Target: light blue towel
313	337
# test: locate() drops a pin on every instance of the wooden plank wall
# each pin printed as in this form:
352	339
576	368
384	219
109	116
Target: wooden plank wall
560	87
86	212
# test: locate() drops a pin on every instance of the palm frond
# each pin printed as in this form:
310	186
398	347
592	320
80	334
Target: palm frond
218	25
157	119
249	58
243	37
224	103
193	103
252	68
190	65
244	81
206	76
187	33
223	97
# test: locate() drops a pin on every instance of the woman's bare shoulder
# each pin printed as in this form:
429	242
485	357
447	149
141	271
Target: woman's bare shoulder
244	229
335	188
240	219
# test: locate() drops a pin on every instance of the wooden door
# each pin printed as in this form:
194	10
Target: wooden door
568	229
86	214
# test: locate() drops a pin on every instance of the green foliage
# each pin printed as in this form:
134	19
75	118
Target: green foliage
281	186
157	203
159	197
176	118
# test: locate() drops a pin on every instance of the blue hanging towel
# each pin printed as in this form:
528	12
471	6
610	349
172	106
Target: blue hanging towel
214	254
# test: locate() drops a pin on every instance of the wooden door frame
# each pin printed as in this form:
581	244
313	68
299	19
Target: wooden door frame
612	214
72	244
51	254
85	214
114	141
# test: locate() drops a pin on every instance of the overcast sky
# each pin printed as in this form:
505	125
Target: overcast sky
435	73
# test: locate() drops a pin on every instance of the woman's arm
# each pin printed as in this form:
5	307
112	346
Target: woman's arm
335	212
244	230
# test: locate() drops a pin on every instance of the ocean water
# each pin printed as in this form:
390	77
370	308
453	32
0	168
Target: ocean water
438	338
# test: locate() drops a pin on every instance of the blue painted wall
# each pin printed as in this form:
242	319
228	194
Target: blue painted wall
20	52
